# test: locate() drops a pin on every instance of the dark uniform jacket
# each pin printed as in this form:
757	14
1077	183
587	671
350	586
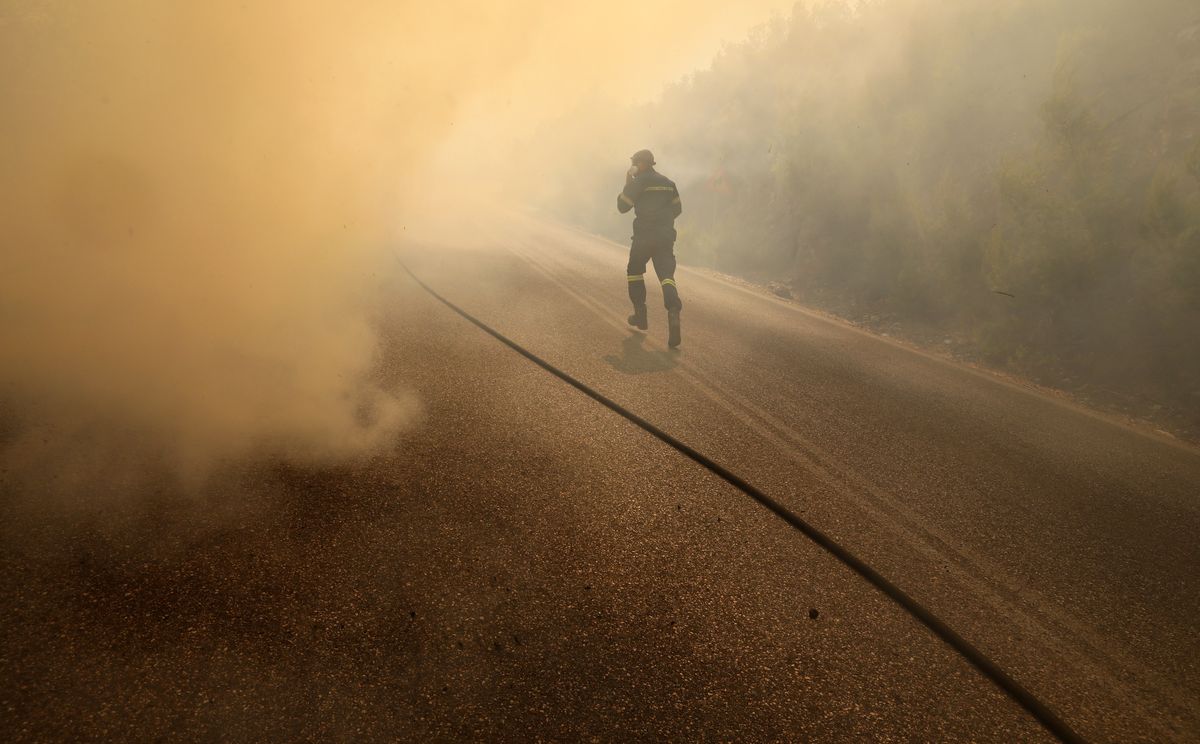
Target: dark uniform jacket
656	204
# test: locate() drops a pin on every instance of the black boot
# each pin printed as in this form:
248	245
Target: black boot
638	319
673	337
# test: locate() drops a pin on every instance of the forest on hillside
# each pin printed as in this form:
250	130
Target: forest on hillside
1024	174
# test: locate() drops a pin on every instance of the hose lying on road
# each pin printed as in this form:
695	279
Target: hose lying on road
1023	697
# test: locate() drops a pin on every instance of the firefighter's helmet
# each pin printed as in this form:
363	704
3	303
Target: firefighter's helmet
643	156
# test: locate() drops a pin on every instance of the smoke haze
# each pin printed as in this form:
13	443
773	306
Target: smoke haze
1016	179
194	199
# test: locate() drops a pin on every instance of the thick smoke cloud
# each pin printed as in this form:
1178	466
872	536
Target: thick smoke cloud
194	198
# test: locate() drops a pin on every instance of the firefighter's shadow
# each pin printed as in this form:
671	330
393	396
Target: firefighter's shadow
635	359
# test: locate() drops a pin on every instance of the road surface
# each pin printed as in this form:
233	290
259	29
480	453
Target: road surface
525	564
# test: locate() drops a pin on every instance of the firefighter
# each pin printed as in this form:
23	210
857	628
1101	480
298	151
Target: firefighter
656	204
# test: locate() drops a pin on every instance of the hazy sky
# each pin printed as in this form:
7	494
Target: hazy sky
620	52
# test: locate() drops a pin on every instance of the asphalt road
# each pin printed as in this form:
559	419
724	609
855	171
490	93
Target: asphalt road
525	564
